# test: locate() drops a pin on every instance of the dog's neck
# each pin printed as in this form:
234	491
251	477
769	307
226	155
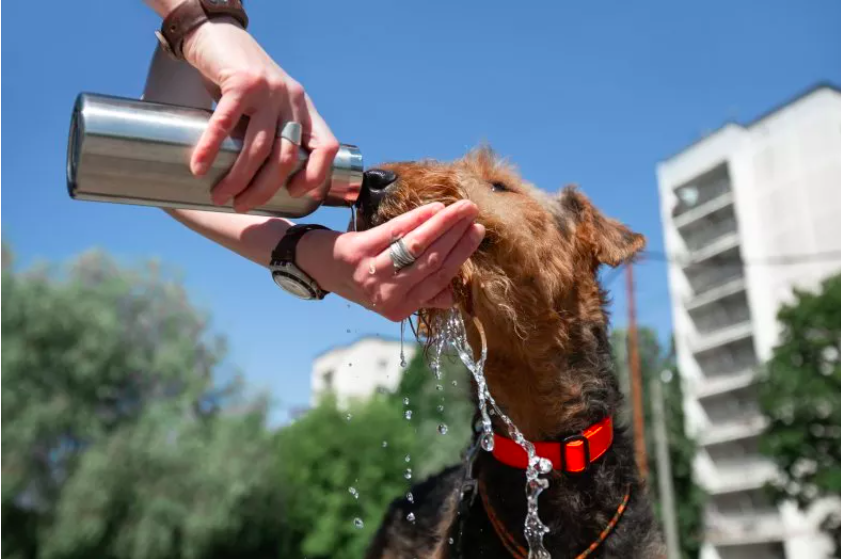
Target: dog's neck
552	386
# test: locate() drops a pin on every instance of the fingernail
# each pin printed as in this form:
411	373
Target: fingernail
477	231
437	206
199	168
220	199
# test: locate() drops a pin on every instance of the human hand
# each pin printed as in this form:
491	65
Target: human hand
251	84
358	267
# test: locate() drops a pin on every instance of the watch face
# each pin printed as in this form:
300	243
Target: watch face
292	285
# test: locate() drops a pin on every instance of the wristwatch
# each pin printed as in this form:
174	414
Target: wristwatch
189	14
286	273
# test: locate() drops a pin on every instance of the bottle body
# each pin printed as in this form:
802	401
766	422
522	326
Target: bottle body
128	151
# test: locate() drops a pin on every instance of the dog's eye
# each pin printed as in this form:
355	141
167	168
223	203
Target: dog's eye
498	187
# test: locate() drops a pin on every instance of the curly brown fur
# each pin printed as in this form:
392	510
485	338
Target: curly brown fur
534	287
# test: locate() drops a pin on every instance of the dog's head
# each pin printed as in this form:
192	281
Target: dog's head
534	275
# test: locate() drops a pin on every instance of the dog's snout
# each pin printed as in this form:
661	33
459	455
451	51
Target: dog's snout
378	179
374	184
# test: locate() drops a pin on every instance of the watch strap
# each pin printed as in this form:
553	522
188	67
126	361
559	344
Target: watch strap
288	244
189	14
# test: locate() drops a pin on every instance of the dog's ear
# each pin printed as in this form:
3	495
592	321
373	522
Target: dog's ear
612	243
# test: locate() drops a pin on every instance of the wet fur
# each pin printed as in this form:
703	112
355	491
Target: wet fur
533	285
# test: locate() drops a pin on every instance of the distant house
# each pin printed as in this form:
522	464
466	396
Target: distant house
355	371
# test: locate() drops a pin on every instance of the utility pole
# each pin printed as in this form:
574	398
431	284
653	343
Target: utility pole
636	376
664	470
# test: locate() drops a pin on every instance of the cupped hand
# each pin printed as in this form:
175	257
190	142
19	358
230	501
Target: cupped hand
358	267
251	84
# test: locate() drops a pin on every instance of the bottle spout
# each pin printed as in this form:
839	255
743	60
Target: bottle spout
346	178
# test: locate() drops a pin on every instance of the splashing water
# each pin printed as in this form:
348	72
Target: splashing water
410	497
408	458
385	444
349	416
358	523
408	415
405	401
410	517
442	428
439	387
449	330
440	408
408	473
402	353
352	490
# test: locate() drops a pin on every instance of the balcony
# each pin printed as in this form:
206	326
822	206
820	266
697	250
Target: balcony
719	245
705	209
728	335
725	287
703	189
750	474
715	386
733	430
744	529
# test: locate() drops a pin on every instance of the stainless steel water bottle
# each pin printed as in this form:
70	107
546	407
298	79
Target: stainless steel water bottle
128	151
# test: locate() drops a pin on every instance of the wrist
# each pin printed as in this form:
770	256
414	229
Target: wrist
207	31
316	256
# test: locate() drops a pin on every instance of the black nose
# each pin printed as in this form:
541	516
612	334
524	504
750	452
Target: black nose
379	179
374	183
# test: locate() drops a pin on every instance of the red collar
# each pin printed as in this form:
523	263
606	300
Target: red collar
579	450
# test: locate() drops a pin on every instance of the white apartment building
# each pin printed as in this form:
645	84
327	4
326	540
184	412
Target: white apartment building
736	206
355	371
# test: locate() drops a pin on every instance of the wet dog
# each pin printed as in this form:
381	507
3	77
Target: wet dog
533	285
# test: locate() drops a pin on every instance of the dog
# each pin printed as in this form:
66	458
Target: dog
533	286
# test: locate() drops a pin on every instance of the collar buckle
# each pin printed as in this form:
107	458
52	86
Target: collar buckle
585	446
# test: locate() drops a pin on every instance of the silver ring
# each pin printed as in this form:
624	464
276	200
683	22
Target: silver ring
292	131
400	255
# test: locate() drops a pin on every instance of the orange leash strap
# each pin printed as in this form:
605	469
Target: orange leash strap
519	552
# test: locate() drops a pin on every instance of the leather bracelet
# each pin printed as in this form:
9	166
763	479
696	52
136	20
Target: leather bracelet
190	14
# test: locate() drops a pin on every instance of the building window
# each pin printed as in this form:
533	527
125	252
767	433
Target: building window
327	377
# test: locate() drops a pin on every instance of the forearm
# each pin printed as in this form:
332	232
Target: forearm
249	236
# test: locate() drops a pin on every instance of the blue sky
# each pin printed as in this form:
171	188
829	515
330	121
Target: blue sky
591	93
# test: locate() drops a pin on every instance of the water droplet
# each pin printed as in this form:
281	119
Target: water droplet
405	401
487	442
402	352
408	473
410	497
439	387
408	458
385	444
544	465
349	416
454	383
358	523
451	541
354	492
410	517
440	408
442	428
408	415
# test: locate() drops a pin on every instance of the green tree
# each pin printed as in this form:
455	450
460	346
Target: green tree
116	439
365	447
689	496
801	397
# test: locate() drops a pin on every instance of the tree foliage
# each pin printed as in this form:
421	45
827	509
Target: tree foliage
117	439
365	447
801	397
689	497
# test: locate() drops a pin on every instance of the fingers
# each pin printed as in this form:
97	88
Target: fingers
257	145
378	238
439	280
323	147
221	124
419	239
432	258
